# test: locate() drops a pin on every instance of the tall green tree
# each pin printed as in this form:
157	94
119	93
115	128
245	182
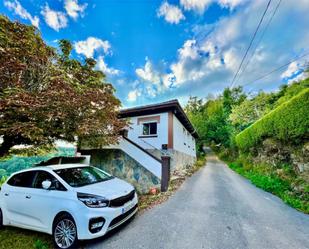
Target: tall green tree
45	95
250	110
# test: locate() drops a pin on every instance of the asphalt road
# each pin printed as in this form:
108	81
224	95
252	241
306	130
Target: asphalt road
218	209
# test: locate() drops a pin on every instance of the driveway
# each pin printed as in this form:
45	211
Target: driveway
215	208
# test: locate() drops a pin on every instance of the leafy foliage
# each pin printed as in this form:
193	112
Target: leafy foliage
16	163
210	117
286	122
287	92
45	95
250	110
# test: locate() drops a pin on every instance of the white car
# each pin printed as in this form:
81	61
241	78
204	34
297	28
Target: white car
70	201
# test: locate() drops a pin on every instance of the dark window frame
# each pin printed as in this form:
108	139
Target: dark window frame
13	180
34	175
55	182
152	129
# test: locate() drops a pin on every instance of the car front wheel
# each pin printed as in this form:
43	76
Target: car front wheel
65	232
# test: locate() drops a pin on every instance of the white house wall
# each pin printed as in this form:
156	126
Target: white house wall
136	130
182	139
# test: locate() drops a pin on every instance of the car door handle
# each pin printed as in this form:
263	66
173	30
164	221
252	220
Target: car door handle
6	194
28	197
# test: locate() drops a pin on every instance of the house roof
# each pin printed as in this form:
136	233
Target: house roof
172	105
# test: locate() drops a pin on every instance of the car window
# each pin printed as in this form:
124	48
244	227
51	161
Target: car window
24	179
43	176
82	176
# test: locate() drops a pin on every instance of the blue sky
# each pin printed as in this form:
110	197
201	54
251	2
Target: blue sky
152	51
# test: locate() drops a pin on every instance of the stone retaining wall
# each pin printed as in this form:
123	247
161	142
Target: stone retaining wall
121	165
179	160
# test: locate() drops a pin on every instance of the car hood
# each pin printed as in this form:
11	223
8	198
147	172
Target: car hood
109	189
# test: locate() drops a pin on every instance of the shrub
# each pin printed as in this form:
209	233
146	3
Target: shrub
286	122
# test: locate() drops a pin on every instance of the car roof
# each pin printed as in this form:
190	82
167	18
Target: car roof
53	167
65	166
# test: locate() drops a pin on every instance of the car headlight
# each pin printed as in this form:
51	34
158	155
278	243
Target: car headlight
93	201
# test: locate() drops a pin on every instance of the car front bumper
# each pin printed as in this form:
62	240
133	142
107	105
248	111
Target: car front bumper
113	217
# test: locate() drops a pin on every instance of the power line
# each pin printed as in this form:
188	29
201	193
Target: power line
261	38
250	44
277	69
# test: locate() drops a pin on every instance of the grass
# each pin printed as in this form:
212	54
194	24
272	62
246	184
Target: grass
20	239
281	184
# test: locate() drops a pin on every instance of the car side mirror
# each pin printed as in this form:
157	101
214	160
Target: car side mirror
46	184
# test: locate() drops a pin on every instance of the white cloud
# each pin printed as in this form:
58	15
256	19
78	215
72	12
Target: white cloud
231	59
101	65
292	69
90	45
171	13
208	61
196	5
22	12
299	77
188	50
151	91
295	72
73	9
54	19
134	94
231	3
200	6
189	65
148	73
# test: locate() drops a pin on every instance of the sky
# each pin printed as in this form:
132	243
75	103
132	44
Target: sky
154	50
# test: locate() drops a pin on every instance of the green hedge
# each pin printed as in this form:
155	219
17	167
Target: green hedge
287	122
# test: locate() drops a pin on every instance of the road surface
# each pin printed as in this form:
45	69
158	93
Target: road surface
216	209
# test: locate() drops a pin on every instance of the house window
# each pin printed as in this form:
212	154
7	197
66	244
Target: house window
150	128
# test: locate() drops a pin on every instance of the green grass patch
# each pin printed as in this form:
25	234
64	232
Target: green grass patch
265	178
20	239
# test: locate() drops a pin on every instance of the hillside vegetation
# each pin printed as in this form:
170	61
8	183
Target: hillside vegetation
289	121
263	137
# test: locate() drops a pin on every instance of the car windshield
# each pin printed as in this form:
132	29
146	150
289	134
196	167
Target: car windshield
82	176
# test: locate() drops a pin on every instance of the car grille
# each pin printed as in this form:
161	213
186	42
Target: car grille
122	216
119	202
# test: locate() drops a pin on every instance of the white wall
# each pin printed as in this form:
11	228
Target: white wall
183	140
150	142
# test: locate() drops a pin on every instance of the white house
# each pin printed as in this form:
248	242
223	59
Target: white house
163	128
159	139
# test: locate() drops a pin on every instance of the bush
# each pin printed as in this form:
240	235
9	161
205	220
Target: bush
286	122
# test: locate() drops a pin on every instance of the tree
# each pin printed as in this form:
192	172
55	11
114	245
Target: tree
250	110
211	118
195	110
232	97
45	95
